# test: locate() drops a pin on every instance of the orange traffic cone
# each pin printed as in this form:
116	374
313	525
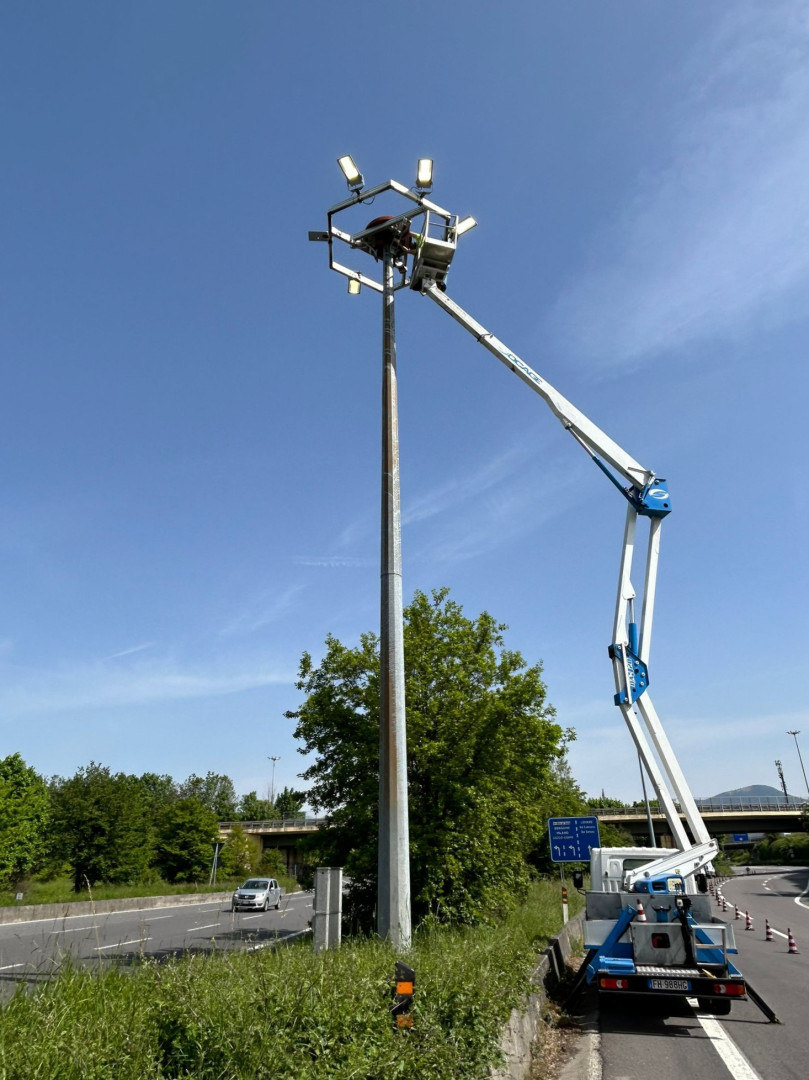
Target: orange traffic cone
768	934
724	904
748	923
737	915
641	914
792	943
718	898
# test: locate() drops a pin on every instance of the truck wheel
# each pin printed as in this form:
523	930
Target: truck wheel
717	1006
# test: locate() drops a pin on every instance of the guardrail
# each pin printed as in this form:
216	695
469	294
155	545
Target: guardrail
733	804
279	824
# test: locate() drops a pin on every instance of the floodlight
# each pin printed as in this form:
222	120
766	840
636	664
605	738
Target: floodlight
354	287
464	225
424	174
351	172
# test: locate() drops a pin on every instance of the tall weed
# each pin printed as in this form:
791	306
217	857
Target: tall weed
284	1013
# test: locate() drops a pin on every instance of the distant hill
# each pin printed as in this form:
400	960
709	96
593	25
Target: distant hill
753	793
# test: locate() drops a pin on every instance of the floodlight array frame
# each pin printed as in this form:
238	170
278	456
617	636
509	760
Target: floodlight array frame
361	240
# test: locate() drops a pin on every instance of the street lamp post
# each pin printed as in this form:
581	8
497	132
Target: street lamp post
393	859
272	782
795	735
414	259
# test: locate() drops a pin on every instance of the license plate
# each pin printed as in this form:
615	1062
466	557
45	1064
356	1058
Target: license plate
669	984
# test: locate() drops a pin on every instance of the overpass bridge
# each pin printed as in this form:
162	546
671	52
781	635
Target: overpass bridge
285	834
721	817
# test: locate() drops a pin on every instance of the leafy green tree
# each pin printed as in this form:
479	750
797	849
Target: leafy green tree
24	817
484	759
101	826
604	802
241	854
273	862
186	833
289	802
214	791
252	808
160	790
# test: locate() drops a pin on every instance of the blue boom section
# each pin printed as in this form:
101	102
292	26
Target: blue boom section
638	674
603	957
652	500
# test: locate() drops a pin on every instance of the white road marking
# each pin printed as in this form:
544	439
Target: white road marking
246	917
799	899
120	944
8	967
73	930
737	1064
275	941
206	927
97	914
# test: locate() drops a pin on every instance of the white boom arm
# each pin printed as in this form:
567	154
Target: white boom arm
648	496
683	863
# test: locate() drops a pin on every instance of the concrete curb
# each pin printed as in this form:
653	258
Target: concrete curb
35	912
520	1032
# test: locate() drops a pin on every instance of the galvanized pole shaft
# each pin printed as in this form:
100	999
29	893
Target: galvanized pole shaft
393	898
795	735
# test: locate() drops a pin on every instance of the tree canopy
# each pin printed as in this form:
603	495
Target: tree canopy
486	759
24	818
102	825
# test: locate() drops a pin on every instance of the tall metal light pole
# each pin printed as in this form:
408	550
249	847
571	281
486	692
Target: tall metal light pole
272	783
780	769
408	258
795	735
393	904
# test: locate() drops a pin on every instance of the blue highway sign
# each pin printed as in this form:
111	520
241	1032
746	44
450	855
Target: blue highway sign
572	837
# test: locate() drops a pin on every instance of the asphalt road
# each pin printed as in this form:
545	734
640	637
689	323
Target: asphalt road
637	1041
33	951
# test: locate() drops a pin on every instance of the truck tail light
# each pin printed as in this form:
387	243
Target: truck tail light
731	989
613	984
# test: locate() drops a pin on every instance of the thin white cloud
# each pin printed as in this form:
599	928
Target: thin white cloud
491	474
129	652
467	515
332	560
719	239
268	607
24	692
503	500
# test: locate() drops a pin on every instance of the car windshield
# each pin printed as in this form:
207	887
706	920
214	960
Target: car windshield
256	883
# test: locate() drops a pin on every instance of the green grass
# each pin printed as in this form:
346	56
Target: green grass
60	891
284	1014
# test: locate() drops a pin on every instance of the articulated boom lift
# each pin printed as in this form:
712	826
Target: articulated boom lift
680	950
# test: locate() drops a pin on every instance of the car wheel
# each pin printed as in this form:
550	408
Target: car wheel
278	903
266	903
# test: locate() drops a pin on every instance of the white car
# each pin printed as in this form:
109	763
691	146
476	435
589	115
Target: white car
257	894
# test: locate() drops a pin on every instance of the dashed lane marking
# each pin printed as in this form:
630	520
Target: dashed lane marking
120	944
736	1063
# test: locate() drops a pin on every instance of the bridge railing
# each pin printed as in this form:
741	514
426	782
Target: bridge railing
730	805
298	821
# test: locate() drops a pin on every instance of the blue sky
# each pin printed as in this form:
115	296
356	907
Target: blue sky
189	442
